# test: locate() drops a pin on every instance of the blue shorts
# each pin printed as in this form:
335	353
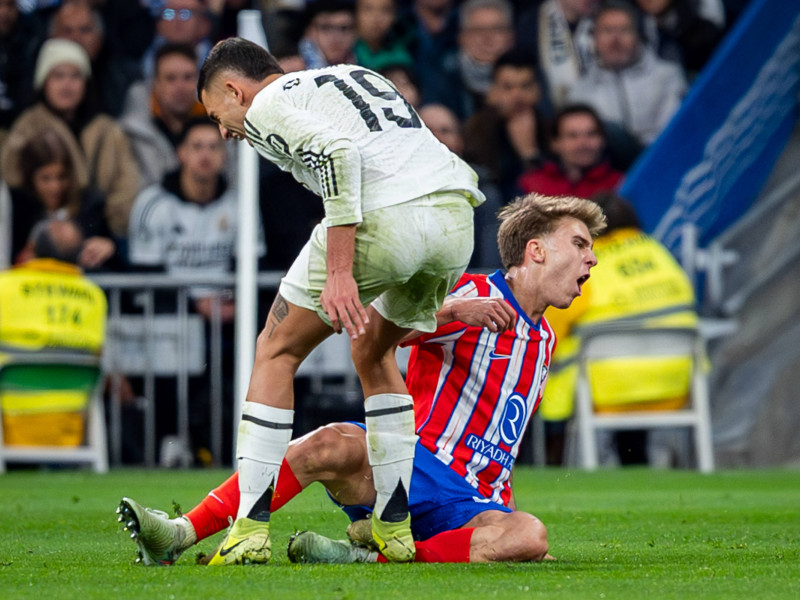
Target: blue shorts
440	499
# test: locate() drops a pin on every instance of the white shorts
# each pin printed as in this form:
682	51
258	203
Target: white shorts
407	258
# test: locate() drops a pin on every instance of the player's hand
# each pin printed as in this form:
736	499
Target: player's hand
495	314
340	302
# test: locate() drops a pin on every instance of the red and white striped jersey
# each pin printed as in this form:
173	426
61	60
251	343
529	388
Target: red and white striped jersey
475	391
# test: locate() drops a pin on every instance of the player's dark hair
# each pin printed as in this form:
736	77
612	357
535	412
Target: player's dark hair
241	56
619	212
170	48
575	109
191	124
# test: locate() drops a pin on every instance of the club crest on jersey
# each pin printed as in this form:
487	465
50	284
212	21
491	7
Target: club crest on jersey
513	419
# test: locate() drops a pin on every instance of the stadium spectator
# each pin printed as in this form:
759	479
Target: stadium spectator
629	86
461	489
113	71
129	26
157	111
330	35
19	41
284	22
179	22
557	34
187	225
46	304
100	151
381	41
444	124
223	16
506	136
637	281
581	167
50	189
676	31
433	26
485	33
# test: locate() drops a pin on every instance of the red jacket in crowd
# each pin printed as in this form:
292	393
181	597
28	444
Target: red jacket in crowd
551	180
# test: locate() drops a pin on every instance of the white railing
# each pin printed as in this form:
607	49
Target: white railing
150	343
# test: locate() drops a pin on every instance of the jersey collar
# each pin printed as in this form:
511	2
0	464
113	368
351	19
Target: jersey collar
499	281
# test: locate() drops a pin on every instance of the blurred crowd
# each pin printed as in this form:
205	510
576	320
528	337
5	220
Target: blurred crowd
554	96
100	123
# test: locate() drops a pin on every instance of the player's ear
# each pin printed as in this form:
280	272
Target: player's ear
234	89
535	250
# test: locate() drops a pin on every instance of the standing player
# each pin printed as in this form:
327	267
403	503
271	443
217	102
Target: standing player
396	236
476	382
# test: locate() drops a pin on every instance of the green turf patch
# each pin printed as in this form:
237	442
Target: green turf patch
628	533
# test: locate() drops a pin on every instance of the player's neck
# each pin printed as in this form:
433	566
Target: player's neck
523	283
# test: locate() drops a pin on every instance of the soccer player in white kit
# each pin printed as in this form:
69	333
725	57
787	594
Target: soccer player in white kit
396	236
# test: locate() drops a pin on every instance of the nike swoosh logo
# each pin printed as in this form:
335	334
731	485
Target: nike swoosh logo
229	549
494	356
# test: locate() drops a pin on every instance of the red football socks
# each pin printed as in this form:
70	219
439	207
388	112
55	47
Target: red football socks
211	515
446	547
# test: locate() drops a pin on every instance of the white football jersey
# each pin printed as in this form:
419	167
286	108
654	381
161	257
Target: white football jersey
348	135
184	237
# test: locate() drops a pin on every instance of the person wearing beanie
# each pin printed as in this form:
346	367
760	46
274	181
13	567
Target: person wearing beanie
56	52
100	151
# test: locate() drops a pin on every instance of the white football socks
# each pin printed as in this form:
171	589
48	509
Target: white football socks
391	439
264	435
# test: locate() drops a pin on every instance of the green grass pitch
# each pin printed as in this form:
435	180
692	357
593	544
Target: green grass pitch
627	533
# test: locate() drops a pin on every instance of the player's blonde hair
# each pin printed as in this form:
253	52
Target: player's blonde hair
536	215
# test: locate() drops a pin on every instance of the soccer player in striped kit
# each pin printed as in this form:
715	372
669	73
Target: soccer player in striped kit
476	381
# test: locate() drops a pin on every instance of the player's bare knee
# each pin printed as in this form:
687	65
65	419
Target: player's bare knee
320	453
533	543
526	537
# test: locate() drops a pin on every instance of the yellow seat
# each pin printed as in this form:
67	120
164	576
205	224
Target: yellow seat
632	341
52	409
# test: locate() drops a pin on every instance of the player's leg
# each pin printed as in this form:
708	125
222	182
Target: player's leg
290	334
458	525
423	247
389	411
500	536
335	455
491	536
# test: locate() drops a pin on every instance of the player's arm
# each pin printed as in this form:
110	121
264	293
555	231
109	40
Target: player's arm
339	297
342	200
495	314
336	164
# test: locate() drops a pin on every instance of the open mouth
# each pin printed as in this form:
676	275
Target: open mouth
581	280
